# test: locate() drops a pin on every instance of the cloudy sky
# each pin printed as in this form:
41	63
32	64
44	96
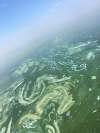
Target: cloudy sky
25	20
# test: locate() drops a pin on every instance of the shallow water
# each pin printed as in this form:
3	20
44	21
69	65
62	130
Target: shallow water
56	91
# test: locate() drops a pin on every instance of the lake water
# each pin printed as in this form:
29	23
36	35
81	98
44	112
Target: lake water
55	91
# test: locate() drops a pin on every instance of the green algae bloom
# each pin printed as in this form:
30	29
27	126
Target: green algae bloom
37	99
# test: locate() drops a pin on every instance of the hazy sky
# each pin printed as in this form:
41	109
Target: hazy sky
17	14
25	20
21	16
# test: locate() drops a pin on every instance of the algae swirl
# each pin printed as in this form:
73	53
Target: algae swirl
35	103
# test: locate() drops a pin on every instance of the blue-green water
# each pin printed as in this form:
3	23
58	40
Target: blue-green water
56	91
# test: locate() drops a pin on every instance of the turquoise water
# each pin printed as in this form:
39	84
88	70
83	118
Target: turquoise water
55	91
